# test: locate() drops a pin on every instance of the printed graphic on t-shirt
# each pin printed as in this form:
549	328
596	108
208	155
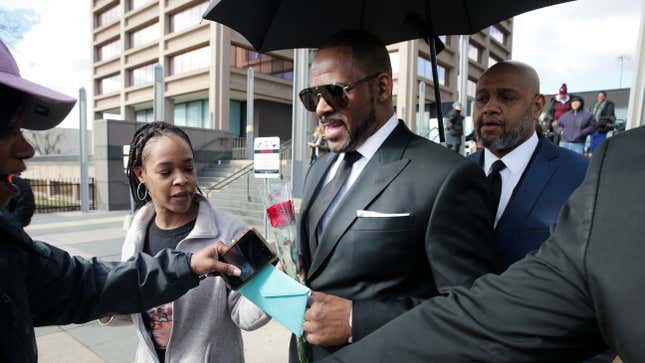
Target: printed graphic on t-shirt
160	324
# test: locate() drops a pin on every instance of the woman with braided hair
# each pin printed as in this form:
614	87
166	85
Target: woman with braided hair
203	326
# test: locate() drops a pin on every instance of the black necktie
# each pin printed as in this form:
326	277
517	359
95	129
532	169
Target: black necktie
495	183
327	195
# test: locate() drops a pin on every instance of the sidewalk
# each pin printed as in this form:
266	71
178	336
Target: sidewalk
101	234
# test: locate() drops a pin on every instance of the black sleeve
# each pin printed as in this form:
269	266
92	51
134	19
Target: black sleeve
459	246
64	289
540	309
460	236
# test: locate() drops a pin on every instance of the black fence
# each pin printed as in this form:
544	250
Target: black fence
60	195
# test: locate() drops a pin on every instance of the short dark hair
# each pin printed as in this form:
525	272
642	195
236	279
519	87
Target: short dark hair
604	93
10	100
139	141
579	99
367	50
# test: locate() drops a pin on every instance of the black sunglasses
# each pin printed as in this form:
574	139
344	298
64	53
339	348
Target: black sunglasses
334	94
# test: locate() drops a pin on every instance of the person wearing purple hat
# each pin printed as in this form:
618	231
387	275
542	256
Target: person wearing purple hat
43	285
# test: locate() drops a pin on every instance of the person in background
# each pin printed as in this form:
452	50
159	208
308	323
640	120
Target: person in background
23	205
318	144
529	177
560	104
455	127
205	324
603	111
43	285
575	125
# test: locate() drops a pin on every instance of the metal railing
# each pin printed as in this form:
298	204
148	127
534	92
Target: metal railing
285	154
60	195
239	148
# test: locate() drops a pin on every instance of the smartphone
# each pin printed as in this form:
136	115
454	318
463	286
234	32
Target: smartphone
250	252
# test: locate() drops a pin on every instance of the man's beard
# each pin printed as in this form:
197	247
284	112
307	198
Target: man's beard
510	138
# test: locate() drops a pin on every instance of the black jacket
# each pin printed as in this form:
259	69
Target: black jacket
43	285
582	291
439	232
455	123
22	206
607	118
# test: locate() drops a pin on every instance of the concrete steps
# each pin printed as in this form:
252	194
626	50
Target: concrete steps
242	197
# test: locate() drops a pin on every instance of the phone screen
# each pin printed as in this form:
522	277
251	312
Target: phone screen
250	253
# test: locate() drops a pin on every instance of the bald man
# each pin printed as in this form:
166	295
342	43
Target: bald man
529	178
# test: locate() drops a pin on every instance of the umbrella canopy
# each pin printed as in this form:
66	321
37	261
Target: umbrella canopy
285	24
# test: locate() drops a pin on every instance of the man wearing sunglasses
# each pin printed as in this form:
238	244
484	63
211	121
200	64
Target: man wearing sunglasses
388	218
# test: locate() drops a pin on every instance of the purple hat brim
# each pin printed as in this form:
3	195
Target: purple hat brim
44	108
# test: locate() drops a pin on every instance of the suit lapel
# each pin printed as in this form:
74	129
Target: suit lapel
381	170
532	183
313	181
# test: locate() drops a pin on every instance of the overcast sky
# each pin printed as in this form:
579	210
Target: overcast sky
577	43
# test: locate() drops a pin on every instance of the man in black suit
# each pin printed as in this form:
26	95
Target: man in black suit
580	293
388	218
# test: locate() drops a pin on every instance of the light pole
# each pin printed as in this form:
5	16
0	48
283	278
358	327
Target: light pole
621	59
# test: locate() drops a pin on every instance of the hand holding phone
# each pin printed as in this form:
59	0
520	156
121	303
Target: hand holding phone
250	253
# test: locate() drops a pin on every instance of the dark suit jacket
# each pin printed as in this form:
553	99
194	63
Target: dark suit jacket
553	173
582	291
387	265
607	118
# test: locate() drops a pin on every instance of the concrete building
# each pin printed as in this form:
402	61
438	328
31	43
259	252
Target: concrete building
205	67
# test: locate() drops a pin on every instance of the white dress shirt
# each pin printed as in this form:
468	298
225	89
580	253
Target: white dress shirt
367	150
516	162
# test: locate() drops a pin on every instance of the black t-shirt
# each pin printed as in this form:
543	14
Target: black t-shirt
158	320
158	239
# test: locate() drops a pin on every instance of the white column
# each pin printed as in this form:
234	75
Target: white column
637	94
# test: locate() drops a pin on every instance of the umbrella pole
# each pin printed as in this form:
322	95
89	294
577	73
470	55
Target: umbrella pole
437	91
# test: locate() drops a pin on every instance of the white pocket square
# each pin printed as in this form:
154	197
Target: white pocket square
371	214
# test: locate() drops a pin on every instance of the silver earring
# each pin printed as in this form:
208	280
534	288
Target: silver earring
145	192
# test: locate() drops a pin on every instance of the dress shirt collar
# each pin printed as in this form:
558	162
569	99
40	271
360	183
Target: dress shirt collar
516	160
374	142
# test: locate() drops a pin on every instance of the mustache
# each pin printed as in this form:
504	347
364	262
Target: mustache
325	120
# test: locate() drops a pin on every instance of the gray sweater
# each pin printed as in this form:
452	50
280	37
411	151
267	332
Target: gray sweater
207	320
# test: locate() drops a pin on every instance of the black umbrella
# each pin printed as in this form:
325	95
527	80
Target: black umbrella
285	24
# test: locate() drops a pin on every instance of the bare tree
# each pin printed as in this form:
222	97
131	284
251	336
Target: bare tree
45	142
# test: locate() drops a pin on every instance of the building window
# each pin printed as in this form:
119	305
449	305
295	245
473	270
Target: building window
144	36
497	34
141	75
262	63
188	17
109	50
492	60
445	39
190	61
136	4
110	84
191	114
471	88
473	52
109	16
395	62
424	69
144	115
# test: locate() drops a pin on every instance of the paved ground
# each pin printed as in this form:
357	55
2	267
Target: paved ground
101	234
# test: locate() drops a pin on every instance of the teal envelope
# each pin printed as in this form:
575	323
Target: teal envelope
278	295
